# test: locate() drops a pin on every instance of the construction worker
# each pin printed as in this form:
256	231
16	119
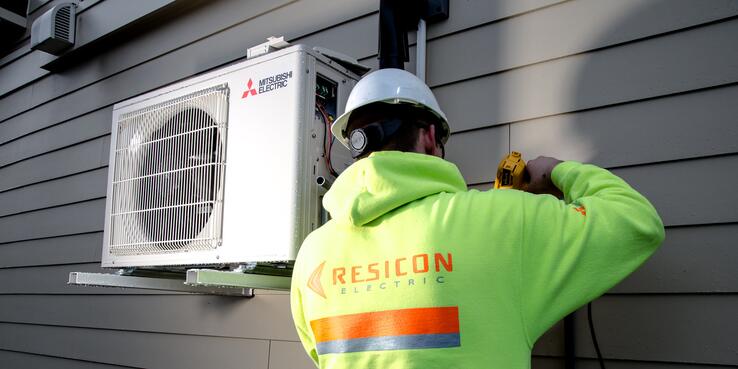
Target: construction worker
415	271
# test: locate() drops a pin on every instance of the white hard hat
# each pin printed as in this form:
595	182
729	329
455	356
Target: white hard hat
393	86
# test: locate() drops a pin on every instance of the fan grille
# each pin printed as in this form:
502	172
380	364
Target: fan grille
168	176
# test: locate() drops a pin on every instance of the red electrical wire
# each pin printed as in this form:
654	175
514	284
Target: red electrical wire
327	120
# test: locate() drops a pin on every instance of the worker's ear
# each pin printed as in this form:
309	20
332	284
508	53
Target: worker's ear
427	143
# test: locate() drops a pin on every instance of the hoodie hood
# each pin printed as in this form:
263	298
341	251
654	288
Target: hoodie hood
386	180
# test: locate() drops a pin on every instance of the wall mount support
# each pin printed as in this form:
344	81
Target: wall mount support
235	279
203	281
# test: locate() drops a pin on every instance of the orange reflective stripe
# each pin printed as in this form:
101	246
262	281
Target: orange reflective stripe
437	320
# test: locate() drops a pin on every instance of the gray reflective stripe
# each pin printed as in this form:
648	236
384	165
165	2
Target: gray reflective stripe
418	341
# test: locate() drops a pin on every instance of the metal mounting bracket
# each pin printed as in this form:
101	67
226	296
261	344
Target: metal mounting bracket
223	279
208	281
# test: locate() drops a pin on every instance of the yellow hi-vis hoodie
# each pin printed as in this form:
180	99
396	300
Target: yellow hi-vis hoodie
414	271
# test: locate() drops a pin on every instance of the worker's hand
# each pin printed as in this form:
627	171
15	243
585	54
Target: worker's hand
538	176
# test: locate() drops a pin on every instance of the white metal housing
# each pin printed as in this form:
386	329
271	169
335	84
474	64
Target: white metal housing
221	168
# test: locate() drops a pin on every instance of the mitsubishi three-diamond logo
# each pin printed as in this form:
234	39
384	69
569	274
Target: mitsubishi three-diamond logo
249	89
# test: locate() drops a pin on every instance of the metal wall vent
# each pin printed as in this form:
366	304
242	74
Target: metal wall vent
167	187
53	32
63	23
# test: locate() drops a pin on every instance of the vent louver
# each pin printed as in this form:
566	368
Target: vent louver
167	185
62	23
53	31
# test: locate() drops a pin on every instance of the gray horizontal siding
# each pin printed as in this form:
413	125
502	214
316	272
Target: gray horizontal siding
539	362
480	49
73	249
685	126
691	260
262	317
86	156
635	71
465	150
288	355
85	127
656	328
76	218
671	188
467	15
472	13
138	349
548	34
24	70
11	359
70	189
688	125
687	328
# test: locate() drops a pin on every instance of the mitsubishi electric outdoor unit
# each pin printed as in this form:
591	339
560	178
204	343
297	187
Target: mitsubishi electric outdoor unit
225	169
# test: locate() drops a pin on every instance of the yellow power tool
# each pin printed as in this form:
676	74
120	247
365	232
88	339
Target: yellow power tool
511	172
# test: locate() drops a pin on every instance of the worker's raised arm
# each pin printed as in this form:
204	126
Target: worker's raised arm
575	250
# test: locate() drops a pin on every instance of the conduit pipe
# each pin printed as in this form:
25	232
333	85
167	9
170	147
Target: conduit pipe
420	50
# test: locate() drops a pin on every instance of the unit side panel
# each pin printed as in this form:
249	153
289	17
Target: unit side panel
262	180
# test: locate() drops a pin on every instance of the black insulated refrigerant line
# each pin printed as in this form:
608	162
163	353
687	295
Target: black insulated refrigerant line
396	18
569	343
394	24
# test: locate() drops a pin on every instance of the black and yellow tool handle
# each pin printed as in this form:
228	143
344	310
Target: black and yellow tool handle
511	172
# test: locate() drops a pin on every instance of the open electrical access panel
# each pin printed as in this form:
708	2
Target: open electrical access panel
215	181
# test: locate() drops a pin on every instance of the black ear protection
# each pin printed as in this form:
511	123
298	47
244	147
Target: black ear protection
372	136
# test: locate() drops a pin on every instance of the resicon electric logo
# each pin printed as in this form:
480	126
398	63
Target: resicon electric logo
411	271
